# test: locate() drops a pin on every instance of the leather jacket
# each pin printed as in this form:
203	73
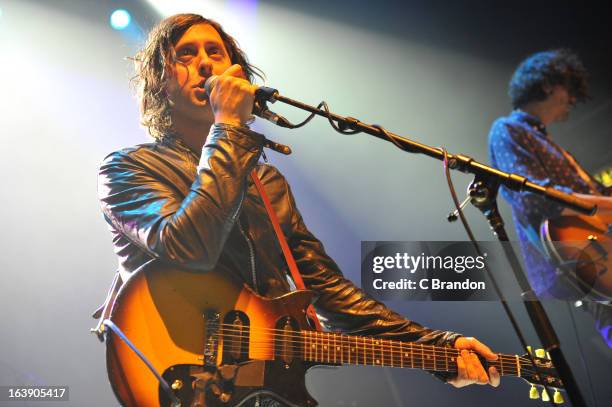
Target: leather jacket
164	201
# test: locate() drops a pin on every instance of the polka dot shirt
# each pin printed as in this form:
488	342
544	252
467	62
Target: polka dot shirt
519	143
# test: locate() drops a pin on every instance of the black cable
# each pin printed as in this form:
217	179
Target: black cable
163	383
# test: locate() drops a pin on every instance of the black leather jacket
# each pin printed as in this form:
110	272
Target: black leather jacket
163	201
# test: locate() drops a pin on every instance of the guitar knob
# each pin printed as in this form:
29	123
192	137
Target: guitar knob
545	396
541	353
558	397
533	393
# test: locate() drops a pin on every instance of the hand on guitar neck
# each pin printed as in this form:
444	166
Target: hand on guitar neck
470	370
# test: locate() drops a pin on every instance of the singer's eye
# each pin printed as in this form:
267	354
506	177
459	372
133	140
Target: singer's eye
184	53
214	51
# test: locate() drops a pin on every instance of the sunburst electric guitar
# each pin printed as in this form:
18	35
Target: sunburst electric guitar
198	339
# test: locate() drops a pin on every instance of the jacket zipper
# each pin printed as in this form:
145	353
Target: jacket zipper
251	255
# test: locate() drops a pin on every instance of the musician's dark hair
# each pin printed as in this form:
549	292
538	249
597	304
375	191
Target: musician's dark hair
153	64
547	69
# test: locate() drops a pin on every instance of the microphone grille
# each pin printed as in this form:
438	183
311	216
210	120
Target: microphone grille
209	85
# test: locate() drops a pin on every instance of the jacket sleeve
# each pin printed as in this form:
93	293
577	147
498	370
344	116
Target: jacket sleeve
145	206
341	303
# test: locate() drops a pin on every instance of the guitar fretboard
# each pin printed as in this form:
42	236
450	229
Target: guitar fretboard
332	348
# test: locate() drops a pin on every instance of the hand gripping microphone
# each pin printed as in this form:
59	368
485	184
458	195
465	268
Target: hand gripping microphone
263	94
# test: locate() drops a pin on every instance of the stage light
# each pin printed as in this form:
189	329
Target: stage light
120	19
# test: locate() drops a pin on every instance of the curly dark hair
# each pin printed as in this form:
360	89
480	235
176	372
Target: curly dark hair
154	66
547	69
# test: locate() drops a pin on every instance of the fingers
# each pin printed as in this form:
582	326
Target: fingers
477	346
493	377
235	71
469	367
475	371
232	97
460	381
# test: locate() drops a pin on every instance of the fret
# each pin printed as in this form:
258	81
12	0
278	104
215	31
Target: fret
446	358
501	363
321	339
322	346
401	346
348	349
518	366
310	345
365	354
422	357
388	348
335	350
315	346
436	359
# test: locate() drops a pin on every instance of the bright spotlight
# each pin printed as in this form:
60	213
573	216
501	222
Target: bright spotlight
120	19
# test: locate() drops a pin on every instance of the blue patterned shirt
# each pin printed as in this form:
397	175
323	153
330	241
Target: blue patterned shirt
519	143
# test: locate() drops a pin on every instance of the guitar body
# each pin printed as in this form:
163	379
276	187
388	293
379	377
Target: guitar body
216	343
171	317
581	247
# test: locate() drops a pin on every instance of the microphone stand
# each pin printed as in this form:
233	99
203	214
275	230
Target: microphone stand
485	186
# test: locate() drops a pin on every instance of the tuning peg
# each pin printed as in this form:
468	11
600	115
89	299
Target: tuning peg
545	396
533	393
548	356
558	397
540	353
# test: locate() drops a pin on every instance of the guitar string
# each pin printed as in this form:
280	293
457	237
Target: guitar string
396	347
507	368
329	337
415	362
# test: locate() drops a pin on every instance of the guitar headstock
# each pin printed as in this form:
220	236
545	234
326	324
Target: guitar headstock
545	374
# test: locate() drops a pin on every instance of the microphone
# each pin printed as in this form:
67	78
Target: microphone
263	94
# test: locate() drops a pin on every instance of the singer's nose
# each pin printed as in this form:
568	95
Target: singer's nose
205	67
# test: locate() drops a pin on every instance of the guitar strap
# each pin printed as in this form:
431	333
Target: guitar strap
295	274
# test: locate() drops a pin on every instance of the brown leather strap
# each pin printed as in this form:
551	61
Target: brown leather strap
297	277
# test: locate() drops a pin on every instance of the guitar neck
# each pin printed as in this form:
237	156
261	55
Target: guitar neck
333	348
